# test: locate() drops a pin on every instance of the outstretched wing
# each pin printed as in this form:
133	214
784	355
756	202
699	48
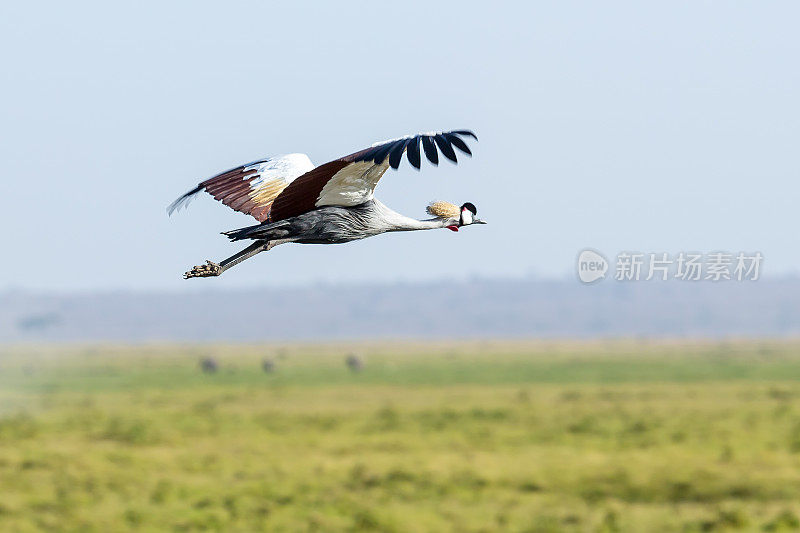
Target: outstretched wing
351	180
251	188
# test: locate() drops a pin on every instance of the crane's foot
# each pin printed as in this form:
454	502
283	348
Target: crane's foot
208	270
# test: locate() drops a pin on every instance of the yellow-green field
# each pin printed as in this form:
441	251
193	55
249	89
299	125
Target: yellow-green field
626	436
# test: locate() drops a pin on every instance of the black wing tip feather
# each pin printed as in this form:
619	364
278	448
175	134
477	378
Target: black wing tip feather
464	132
445	141
183	201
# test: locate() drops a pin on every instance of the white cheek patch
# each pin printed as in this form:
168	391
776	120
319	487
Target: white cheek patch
466	216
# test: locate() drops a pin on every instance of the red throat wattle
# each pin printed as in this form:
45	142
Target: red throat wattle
452	228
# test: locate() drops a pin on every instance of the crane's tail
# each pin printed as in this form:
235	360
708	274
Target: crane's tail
238	234
265	231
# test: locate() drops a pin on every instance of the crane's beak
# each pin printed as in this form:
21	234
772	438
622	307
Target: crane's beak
478	221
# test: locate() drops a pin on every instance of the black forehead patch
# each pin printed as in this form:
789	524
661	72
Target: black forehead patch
471	207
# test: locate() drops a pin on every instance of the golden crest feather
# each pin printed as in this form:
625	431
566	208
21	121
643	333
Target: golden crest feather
443	209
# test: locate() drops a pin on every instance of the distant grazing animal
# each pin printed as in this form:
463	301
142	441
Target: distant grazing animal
354	363
268	366
294	201
209	365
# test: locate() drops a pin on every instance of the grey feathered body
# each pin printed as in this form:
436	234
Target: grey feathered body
335	225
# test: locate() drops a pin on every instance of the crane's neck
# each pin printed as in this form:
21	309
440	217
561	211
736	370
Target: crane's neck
397	222
412	224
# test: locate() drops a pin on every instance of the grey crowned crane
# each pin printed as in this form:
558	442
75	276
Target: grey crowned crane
294	201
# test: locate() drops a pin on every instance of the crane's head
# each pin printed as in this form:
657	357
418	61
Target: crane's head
460	216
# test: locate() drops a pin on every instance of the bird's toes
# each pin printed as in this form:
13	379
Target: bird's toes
203	271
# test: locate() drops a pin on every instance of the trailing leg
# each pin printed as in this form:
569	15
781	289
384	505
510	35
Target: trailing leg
211	269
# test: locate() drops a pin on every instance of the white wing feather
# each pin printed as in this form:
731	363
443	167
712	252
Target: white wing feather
353	185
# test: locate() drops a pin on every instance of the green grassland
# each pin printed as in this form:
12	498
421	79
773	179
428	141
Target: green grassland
493	436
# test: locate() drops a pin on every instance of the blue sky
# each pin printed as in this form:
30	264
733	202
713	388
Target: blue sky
617	126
